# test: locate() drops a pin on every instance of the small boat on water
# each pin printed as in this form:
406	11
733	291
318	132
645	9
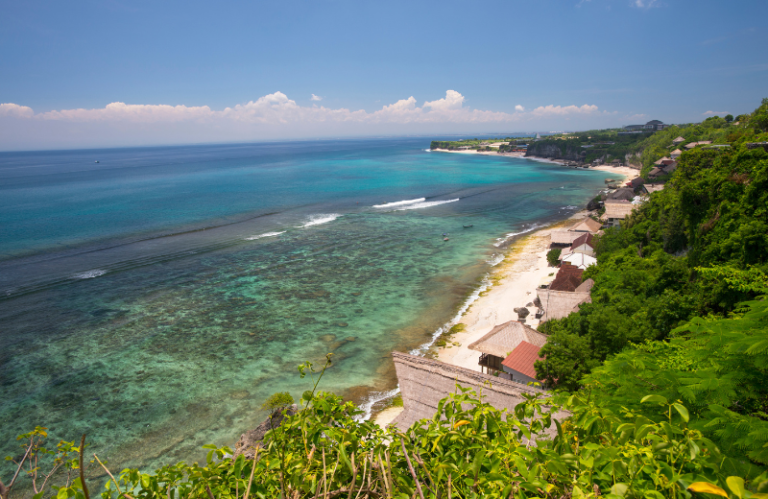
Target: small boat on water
96	161
446	239
469	226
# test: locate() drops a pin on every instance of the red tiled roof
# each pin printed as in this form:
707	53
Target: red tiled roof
522	358
584	239
568	278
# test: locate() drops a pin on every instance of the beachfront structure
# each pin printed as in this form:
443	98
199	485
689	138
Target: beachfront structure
579	260
520	364
424	382
586	225
665	169
652	125
582	244
501	340
561	303
616	210
566	237
651	188
635	182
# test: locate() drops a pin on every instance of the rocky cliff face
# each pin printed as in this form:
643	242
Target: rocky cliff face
253	438
555	151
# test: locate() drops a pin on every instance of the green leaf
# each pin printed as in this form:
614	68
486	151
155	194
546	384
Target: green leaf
682	411
619	489
653	398
736	484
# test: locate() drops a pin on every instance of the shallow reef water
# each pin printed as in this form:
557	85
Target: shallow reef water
157	337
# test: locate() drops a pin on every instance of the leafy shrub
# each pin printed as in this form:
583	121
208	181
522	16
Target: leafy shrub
553	256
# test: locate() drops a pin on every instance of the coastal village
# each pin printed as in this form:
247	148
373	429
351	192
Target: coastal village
507	327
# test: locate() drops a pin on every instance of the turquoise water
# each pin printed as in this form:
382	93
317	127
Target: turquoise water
153	300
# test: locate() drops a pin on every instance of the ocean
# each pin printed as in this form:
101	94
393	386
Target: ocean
153	298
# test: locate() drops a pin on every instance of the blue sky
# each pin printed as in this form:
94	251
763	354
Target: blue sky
110	73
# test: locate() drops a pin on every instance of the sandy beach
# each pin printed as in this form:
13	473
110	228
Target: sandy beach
515	280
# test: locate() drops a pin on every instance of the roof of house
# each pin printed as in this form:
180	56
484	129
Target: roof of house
583	239
676	152
568	278
650	188
662	160
618	208
691	145
637	181
580	260
678	140
559	304
563	236
586	225
425	382
625	193
522	358
655	172
503	338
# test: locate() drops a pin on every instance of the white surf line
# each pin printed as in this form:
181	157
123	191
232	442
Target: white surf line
427	204
372	400
90	274
320	219
399	203
266	234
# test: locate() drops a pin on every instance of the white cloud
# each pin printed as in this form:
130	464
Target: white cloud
714	113
10	109
644	4
141	113
563	110
316	97
277	108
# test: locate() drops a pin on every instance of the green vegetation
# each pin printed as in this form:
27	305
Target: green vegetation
679	295
453	145
279	400
468	450
553	256
447	336
679	314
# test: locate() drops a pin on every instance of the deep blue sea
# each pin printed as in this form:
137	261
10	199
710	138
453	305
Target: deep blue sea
154	297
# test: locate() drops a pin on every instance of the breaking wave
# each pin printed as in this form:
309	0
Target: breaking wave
90	274
502	240
399	203
266	234
320	219
426	204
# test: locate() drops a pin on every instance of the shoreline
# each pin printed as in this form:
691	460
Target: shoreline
628	172
511	283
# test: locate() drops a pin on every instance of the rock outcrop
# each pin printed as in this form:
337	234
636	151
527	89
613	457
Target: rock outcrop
252	439
546	149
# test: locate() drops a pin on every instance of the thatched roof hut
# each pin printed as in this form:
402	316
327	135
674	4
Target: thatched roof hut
618	209
504	338
563	237
424	382
559	304
586	225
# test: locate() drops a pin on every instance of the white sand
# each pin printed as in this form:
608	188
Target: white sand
515	279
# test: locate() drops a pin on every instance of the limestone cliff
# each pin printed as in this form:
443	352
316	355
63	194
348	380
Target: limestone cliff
556	150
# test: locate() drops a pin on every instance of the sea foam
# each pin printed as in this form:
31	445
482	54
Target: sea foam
90	274
426	204
320	219
502	240
400	203
266	234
